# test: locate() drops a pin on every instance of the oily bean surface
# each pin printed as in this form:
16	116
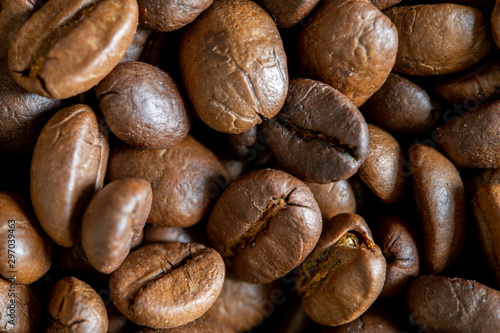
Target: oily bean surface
334	198
27	314
288	13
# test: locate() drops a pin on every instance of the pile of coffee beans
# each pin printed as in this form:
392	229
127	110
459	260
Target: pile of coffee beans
285	166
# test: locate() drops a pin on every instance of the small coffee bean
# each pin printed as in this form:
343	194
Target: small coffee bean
159	234
288	13
480	177
319	136
75	307
21	311
440	200
117	322
264	225
113	220
334	198
250	146
135	50
73	261
234	66
65	170
201	325
344	274
375	320
383	4
167	285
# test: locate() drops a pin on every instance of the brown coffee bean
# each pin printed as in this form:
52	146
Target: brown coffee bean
334	198
113	220
21	311
495	23
472	140
250	145
401	106
399	247
73	261
24	248
443	304
65	170
344	274
319	136
201	325
264	225
135	50
349	45
383	4
439	38
382	170
141	112
64	50
167	285
440	200
185	178
117	322
375	320
234	66
288	13
75	307
169	15
159	234
480	177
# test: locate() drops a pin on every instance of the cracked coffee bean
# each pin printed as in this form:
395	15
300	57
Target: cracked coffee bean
65	49
319	136
234	66
288	13
75	307
167	285
264	225
344	274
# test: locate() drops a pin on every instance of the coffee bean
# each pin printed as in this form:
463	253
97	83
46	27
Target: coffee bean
250	145
22	237
375	320
159	234
440	200
64	50
167	285
234	66
201	325
495	23
21	311
383	4
64	171
349	45
443	304
439	39
472	140
334	198
75	307
344	274
288	13
135	50
481	177
117	322
113	220
264	225
326	147
73	261
186	179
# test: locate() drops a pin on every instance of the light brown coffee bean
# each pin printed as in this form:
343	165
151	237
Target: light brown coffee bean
288	13
334	198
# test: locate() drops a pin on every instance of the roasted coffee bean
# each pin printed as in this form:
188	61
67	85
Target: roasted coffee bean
439	38
140	111
288	13
375	320
480	177
250	145
453	305
159	234
319	136
21	311
169	15
186	179
382	170
264	225
167	285
113	220
472	140
334	198
383	4
349	45
117	322
64	50
399	247
495	22
135	50
65	170
73	261
234	66
75	307
440	200
24	248
201	325
401	106
344	274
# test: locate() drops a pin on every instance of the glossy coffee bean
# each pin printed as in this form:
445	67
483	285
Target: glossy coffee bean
75	307
443	304
350	45
288	13
65	170
25	248
319	136
234	66
201	325
375	320
186	179
440	200
264	225
140	111
113	220
344	274
167	285
382	171
21	311
399	247
439	38
472	140
64	50
334	198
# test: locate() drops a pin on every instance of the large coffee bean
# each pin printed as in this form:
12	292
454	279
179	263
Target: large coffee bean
288	13
234	66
